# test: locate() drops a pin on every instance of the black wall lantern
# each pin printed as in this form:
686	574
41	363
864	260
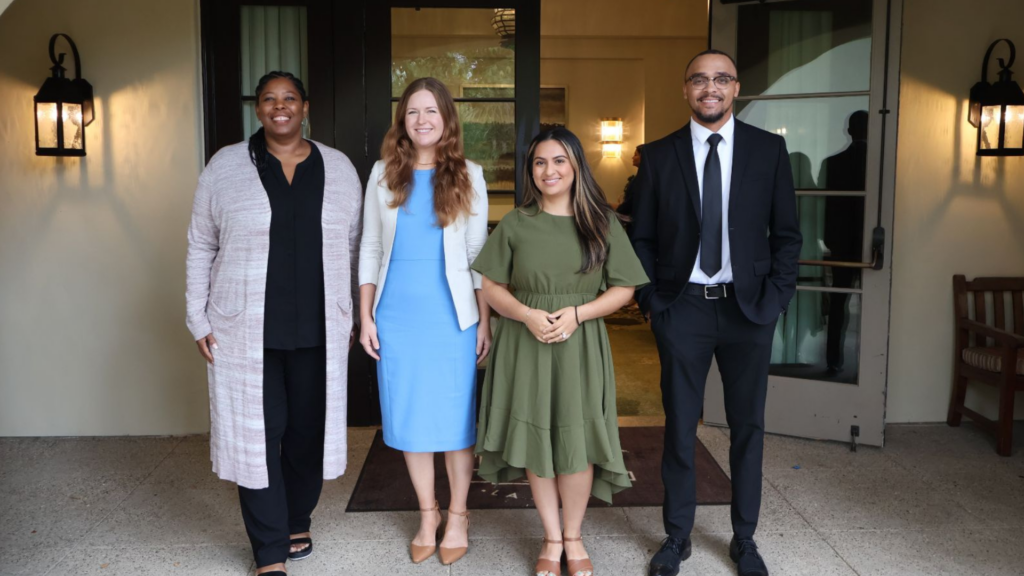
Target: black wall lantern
997	110
63	108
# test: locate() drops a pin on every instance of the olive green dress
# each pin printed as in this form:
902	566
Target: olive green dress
550	408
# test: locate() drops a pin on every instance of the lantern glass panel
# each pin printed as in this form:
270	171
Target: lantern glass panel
46	120
1014	127
990	121
975	115
72	121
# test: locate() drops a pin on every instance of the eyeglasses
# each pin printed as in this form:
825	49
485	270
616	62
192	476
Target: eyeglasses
702	81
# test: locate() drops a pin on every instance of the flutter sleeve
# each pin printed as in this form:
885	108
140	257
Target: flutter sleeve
495	260
622	268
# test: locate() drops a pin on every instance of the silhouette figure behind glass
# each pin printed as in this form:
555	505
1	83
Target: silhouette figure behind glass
844	229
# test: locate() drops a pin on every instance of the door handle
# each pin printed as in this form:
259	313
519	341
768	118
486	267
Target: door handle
839	264
877	255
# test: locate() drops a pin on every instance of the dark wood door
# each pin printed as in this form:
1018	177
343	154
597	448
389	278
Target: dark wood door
348	78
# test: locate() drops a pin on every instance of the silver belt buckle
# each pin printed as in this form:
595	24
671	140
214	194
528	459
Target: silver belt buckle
706	286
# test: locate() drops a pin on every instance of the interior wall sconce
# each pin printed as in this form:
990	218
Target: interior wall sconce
63	107
611	137
997	110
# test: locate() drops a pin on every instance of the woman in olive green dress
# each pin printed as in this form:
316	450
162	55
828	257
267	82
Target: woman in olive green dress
553	269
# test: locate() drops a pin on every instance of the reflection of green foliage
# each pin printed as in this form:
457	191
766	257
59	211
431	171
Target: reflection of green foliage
493	147
488	129
485	65
488	92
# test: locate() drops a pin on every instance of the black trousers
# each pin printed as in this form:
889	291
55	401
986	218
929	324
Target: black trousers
294	412
691	332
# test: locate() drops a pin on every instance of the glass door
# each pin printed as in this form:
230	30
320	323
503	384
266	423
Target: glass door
824	75
487	53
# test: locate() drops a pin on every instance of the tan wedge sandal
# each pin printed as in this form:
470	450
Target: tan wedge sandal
452	555
549	567
581	567
421	553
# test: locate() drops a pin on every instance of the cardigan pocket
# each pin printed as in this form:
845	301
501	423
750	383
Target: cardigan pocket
225	318
345	304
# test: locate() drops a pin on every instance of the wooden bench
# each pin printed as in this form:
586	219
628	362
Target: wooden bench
989	349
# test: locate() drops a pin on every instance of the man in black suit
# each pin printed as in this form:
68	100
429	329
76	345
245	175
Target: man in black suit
716	228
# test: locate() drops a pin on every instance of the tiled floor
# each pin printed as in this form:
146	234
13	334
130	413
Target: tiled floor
935	501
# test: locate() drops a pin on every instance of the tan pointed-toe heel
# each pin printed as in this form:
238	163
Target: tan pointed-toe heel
452	555
580	567
548	567
421	553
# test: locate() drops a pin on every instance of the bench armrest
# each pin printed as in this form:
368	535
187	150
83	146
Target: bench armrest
1003	337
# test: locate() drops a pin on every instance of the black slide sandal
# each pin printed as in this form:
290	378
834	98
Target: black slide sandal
305	552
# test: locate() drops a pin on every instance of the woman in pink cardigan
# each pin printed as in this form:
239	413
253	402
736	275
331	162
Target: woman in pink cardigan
271	276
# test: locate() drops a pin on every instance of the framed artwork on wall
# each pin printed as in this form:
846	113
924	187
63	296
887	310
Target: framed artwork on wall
554	107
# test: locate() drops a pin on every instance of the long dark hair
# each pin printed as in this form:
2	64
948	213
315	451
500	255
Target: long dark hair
590	207
258	141
453	191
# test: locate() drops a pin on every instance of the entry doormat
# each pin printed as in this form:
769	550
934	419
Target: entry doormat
384	484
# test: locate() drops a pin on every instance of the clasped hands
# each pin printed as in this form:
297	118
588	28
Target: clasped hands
551	327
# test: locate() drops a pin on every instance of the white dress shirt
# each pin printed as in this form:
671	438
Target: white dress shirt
699	135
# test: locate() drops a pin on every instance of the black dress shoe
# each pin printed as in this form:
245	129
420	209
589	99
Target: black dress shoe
748	561
666	560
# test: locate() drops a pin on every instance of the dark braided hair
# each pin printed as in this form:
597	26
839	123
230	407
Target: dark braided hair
258	141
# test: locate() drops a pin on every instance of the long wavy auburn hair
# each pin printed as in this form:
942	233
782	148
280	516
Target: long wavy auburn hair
453	192
590	207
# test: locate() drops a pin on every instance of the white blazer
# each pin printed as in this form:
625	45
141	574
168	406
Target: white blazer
463	240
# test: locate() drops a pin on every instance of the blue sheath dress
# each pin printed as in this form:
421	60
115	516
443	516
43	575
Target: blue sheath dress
427	370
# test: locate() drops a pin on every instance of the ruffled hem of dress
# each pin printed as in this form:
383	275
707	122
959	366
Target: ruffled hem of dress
509	447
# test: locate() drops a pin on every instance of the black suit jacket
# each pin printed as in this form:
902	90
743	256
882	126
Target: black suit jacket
764	231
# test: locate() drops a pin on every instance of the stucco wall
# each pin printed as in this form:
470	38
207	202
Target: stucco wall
92	335
955	213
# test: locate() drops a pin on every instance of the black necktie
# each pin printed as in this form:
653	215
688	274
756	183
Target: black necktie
711	211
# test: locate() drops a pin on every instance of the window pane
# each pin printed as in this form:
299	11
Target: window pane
804	46
458	46
833	229
489	139
489	136
826	137
273	39
819	338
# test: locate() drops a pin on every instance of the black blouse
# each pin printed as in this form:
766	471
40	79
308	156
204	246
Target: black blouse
294	309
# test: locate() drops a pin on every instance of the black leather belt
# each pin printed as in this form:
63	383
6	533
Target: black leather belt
709	291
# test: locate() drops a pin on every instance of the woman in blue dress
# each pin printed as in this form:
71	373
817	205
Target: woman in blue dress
423	317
